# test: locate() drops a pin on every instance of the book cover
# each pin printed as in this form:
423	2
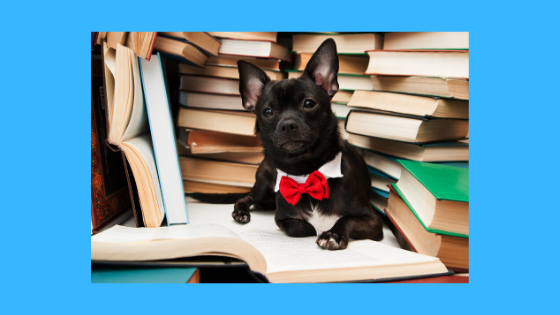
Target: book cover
163	136
396	188
444	182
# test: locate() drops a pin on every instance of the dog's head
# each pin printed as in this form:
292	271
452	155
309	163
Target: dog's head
294	116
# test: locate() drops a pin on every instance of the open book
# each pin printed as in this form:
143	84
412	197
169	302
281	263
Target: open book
265	248
128	128
140	124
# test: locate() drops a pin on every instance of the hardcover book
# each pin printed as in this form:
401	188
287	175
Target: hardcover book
452	250
406	128
109	190
438	194
265	249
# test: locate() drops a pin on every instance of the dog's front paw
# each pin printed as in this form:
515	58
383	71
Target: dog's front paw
332	241
241	216
241	212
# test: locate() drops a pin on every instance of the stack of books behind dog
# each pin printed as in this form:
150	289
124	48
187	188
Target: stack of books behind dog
217	141
417	111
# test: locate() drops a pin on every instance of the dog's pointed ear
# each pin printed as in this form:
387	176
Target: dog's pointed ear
322	68
251	83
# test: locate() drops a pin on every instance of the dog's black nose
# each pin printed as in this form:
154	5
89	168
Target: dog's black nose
288	126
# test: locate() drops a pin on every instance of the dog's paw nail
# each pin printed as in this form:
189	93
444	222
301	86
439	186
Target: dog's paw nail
332	241
332	244
241	216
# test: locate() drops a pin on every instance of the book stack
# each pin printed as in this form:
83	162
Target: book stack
429	206
217	141
418	109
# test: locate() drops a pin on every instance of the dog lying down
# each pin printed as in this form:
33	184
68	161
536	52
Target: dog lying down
316	181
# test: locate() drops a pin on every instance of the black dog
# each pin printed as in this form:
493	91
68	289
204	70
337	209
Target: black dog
300	136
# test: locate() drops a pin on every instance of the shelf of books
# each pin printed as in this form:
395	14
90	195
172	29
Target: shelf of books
168	121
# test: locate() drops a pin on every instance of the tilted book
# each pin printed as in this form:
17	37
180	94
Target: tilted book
438	195
452	250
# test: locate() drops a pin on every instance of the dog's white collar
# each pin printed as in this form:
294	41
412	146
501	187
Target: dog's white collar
330	169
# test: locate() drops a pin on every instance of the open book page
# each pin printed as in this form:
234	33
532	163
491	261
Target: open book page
122	234
138	123
284	253
261	220
121	243
109	57
143	145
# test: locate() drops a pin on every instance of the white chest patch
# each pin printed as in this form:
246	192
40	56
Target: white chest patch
321	222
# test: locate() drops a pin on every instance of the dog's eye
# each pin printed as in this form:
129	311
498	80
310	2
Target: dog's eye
267	112
309	104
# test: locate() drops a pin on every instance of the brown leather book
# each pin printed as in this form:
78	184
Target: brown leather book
109	190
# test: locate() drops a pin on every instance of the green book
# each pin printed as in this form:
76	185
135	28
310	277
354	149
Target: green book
437	194
116	274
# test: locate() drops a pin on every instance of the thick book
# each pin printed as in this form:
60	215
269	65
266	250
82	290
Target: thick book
254	48
265	249
436	86
254	158
406	128
201	40
438	195
435	63
108	57
142	43
182	50
110	195
389	165
222	72
210	101
345	81
161	125
347	64
411	104
231	61
239	123
209	142
193	186
266	36
128	130
432	152
345	43
192	83
426	40
452	250
218	172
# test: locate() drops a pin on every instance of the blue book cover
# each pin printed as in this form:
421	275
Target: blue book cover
116	274
384	194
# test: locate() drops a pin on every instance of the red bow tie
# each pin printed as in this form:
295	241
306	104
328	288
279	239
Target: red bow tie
316	186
